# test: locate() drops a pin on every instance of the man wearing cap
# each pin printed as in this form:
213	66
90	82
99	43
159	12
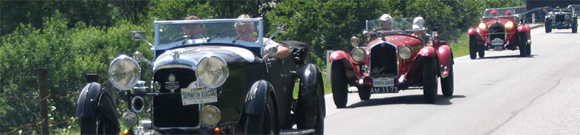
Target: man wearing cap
418	24
386	22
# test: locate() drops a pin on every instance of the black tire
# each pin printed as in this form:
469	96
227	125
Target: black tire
529	47
575	25
308	116
429	80
339	84
98	123
548	25
481	51
364	92
447	83
523	44
89	126
472	47
263	123
319	126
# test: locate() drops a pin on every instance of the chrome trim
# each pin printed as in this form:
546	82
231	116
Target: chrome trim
399	55
133	104
364	52
208	106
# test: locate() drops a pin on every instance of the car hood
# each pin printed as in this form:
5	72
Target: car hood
188	57
397	39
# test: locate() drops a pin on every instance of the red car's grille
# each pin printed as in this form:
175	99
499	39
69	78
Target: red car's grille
383	60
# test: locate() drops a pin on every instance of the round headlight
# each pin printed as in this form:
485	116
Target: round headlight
405	52
212	71
509	25
482	26
210	115
130	118
124	72
358	54
354	41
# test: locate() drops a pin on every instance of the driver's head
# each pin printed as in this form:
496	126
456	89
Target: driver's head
418	23
193	30
386	21
245	29
508	12
493	12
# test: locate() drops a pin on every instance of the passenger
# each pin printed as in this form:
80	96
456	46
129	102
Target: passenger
192	30
246	30
508	13
418	24
386	22
493	12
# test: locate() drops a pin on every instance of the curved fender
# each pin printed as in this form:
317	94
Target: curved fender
522	28
87	101
427	51
471	31
92	98
445	60
348	63
307	110
257	97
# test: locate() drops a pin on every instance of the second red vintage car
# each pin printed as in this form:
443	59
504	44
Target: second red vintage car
500	29
391	60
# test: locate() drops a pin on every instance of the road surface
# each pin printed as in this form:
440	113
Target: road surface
500	94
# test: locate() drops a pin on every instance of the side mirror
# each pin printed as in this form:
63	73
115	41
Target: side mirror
138	35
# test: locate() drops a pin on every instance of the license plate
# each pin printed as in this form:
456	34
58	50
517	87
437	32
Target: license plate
384	90
198	95
497	41
383	82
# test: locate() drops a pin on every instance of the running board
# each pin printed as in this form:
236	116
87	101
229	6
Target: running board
297	131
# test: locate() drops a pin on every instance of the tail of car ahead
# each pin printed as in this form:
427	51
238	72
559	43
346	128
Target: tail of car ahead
372	68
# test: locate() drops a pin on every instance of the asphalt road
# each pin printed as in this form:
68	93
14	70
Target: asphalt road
500	94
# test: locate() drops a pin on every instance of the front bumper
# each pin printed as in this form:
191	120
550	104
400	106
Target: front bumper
146	129
400	81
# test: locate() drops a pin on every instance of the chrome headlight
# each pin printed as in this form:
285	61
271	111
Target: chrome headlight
405	52
212	71
509	25
130	119
354	41
358	54
124	72
210	115
482	26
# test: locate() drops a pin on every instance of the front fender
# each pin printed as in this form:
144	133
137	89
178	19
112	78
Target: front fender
352	70
92	99
471	31
87	101
427	51
445	60
307	100
256	98
523	28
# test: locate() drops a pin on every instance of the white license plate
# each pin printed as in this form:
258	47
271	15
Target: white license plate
191	96
383	82
384	90
497	41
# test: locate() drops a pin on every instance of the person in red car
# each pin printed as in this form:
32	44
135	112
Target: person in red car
508	13
386	22
493	12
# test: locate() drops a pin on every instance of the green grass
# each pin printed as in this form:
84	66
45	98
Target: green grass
460	47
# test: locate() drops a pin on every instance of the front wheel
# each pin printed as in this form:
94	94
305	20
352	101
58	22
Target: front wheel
339	84
575	26
447	83
429	81
523	44
548	25
472	47
263	123
364	92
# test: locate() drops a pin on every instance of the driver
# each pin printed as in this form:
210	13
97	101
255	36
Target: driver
246	32
493	12
386	21
192	30
508	13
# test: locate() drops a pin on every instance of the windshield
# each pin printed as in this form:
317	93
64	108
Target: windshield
174	33
398	24
503	12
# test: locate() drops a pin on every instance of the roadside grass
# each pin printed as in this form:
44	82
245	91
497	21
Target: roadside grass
460	47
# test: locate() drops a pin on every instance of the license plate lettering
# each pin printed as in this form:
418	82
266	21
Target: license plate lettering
192	96
384	90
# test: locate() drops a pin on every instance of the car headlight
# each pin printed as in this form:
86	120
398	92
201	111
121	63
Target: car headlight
482	26
509	25
210	115
130	119
212	71
358	54
124	72
405	52
354	41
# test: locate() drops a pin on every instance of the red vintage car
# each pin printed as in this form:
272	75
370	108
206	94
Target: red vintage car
391	60
500	29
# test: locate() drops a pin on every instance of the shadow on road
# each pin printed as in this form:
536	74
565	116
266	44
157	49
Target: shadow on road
410	99
567	33
507	56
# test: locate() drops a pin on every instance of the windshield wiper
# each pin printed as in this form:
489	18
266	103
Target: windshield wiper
238	37
186	39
